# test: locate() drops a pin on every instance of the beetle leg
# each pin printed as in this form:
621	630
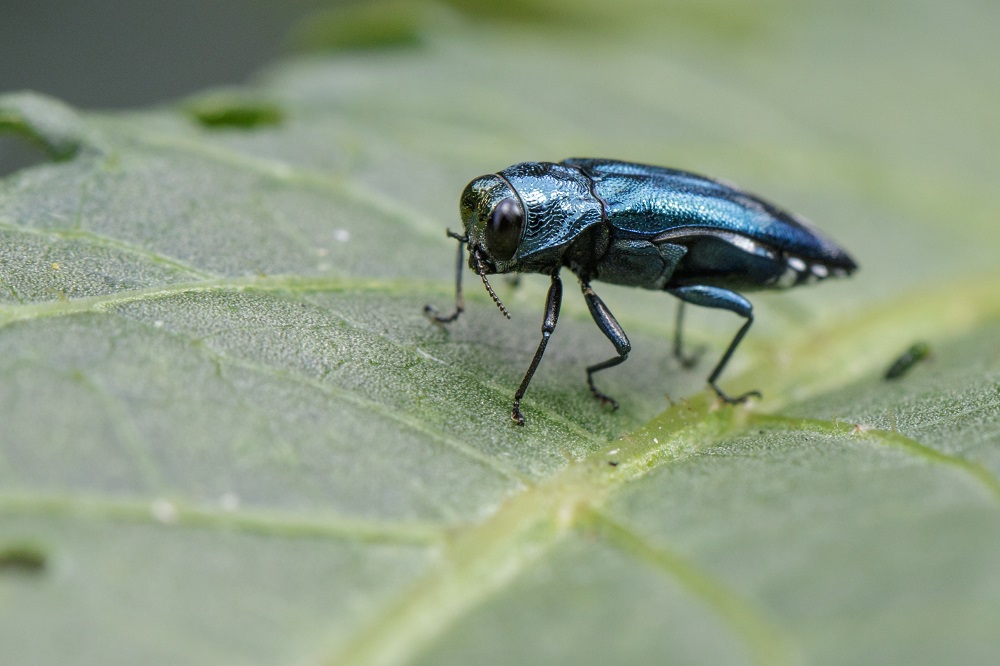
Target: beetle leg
613	330
686	360
431	311
716	297
552	303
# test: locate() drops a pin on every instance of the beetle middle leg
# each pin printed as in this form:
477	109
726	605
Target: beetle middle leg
613	330
716	297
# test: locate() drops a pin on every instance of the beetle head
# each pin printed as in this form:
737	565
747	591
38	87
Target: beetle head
524	218
494	223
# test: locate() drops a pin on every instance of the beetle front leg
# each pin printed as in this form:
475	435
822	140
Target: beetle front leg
552	303
716	297
431	311
613	330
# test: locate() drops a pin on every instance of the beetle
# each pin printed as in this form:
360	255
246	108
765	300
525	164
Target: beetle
697	238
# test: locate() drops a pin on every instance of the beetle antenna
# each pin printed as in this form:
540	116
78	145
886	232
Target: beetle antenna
482	274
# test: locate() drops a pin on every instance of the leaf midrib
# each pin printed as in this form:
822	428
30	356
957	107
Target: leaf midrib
484	557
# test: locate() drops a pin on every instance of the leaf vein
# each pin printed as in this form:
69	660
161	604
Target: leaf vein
266	522
891	438
767	642
103	240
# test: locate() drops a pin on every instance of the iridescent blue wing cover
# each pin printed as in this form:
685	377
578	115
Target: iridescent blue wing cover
659	204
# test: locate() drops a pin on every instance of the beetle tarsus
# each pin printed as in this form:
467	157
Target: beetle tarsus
738	400
688	361
604	398
435	315
515	413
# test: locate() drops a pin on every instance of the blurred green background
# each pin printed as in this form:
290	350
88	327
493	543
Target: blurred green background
111	54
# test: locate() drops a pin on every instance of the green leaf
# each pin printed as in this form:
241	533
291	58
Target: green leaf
231	436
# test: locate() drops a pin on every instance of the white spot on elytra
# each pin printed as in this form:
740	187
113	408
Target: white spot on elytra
796	264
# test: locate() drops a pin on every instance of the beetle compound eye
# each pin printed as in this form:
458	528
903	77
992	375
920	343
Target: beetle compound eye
503	232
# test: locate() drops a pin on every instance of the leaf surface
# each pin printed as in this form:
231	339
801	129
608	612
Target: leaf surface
230	434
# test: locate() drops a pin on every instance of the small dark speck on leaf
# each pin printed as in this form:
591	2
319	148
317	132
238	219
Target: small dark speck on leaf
22	559
613	463
917	352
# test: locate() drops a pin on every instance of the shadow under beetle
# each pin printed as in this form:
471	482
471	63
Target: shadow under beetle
700	239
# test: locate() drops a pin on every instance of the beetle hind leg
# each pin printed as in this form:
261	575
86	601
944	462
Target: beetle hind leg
716	297
613	330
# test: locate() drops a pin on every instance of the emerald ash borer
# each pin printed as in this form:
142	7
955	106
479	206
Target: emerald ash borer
701	240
